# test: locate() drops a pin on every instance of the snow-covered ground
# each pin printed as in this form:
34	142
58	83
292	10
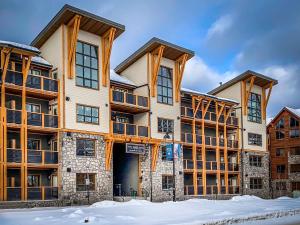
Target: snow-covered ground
190	212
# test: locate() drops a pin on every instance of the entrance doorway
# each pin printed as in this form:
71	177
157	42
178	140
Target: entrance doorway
125	171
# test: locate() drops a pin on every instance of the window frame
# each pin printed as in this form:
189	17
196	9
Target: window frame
168	186
86	139
256	183
280	124
86	122
257	108
296	122
255	160
294	133
88	67
168	121
280	169
84	185
280	150
255	136
279	137
162	85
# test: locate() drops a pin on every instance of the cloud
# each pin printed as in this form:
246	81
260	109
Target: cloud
220	26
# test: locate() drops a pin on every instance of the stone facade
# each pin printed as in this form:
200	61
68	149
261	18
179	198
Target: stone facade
70	164
249	172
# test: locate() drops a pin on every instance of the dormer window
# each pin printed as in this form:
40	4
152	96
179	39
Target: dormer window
87	65
280	124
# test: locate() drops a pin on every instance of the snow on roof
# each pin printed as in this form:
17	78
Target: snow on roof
120	79
40	60
269	120
295	111
20	46
208	95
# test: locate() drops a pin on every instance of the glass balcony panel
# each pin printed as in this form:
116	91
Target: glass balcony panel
118	96
34	193
34	119
33	82
130	129
14	155
34	156
13	77
51	157
13	116
51	193
50	85
13	193
119	128
130	99
51	121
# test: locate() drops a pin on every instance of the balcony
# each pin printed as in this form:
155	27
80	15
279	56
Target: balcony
42	193
209	116
188	164
13	193
14	155
46	85
188	138
127	102
42	157
42	120
127	129
211	189
233	167
234	190
211	165
13	116
232	144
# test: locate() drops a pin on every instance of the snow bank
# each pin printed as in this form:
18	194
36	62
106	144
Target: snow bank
108	204
284	198
245	198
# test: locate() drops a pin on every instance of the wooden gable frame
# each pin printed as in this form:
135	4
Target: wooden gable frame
265	98
246	93
156	56
179	69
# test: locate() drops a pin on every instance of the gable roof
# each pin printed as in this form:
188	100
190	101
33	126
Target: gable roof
260	80
171	51
295	112
116	78
23	47
89	22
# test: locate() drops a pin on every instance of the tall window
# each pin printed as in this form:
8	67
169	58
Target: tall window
86	65
87	114
255	160
167	182
294	122
165	86
85	147
280	124
85	181
254	108
165	125
254	139
255	183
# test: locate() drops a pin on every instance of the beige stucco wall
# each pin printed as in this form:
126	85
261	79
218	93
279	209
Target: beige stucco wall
79	95
234	92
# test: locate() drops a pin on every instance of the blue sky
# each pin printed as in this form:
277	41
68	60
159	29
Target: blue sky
228	37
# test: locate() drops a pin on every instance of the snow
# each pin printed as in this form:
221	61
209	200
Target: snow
120	79
40	60
190	212
20	46
295	111
208	95
286	220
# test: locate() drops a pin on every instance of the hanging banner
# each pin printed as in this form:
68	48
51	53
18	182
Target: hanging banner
169	151
135	148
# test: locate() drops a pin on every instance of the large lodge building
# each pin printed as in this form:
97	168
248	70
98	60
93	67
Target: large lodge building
67	120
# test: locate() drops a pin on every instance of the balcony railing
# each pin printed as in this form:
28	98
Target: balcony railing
42	157
188	138
209	116
14	155
233	167
188	164
33	81
189	190
211	189
211	165
130	99
232	144
42	120
128	129
13	193
42	193
233	190
13	116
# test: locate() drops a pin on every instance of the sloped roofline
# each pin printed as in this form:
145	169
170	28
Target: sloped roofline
280	112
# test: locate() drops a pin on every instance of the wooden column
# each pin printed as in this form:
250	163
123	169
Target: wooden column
108	153
5	57
155	149
25	69
156	56
218	114
246	93
179	69
226	116
265	99
106	45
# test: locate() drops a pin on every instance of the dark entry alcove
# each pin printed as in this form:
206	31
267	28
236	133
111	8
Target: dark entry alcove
125	171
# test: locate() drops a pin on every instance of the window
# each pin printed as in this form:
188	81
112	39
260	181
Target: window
294	122
35	72
33	144
295	150
279	152
255	160
34	108
280	124
254	108
280	186
82	180
255	183
167	182
279	135
87	114
295	168
294	133
295	186
87	65
280	168
165	86
165	125
33	180
85	147
254	139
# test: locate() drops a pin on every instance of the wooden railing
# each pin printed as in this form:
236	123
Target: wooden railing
130	99
42	156
14	155
232	143
233	167
13	116
188	138
209	116
188	164
128	129
211	165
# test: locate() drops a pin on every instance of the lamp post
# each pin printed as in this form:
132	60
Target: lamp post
167	136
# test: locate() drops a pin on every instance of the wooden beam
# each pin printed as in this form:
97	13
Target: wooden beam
179	69
226	116
73	29
155	149
156	56
108	153
247	93
266	100
106	43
